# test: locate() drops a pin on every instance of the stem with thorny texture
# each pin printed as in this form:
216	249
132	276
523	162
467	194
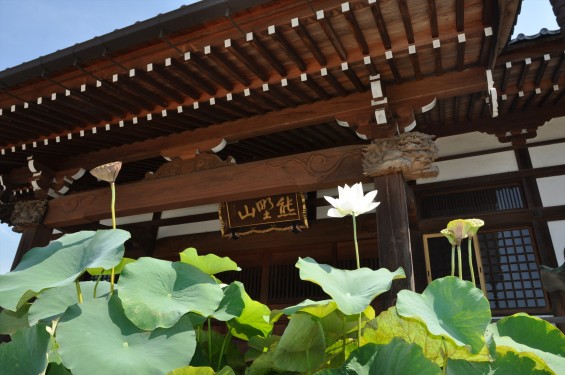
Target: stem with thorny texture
358	267
226	339
355	241
453	260
113	209
460	265
210	342
79	292
96	285
470	248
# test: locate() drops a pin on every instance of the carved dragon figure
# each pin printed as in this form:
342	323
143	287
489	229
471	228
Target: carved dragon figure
412	154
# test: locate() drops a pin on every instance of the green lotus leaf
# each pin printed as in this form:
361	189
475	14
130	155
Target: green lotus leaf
395	358
263	364
57	369
553	279
37	255
210	263
449	307
335	324
232	304
220	344
533	332
508	364
338	351
533	338
117	269
26	354
52	303
315	308
302	346
157	293
389	325
352	290
97	337
253	321
189	370
11	321
259	345
62	263
53	355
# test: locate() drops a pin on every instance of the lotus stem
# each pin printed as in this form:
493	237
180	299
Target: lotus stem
96	285
470	248
210	341
113	209
460	265
358	261
79	292
355	241
226	339
453	260
344	338
444	356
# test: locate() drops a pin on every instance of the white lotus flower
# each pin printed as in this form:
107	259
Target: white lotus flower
352	201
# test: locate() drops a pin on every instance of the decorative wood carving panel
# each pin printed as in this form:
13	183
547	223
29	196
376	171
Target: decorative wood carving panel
201	162
412	154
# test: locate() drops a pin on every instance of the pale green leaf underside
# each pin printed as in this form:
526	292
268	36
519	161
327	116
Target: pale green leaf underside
157	293
61	263
97	335
352	290
449	307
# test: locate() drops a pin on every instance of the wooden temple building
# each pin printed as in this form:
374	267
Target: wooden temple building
233	118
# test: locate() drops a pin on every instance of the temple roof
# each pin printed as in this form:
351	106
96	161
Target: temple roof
261	79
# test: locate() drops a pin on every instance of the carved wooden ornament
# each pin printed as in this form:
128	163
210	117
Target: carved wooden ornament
201	162
28	213
412	154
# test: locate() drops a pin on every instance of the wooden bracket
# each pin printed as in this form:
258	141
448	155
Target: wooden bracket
179	152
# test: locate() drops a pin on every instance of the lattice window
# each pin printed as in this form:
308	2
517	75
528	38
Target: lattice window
249	276
473	202
285	284
511	270
350	264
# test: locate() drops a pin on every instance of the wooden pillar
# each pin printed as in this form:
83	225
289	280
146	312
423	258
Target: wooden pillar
391	162
32	236
26	219
393	233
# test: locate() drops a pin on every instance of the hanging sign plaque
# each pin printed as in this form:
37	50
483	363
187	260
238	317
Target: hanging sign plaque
275	212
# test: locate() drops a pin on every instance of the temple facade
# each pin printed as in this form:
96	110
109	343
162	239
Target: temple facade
233	119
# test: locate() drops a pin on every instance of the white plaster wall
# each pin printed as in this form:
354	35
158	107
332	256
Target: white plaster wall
467	143
552	190
128	219
190	211
553	129
546	156
189	228
557	231
474	166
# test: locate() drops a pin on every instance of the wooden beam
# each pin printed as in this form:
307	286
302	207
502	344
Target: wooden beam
402	95
308	41
331	34
355	28
298	173
381	25
236	50
277	35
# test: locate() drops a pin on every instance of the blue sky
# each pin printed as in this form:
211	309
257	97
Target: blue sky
33	28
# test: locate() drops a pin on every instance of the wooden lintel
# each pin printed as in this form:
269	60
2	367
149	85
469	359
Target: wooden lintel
298	173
